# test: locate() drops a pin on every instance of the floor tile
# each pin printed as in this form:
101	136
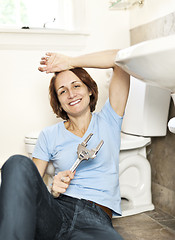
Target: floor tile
156	234
168	223
154	225
136	222
158	214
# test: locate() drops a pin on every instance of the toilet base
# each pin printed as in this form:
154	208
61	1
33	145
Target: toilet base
129	209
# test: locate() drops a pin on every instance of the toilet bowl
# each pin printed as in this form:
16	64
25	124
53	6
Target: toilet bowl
145	116
134	175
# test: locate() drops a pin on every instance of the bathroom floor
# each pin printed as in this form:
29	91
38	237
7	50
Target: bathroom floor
156	225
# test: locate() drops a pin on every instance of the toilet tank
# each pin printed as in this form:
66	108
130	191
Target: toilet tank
147	110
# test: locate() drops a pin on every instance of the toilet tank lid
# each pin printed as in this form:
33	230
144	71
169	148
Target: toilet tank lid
31	137
133	142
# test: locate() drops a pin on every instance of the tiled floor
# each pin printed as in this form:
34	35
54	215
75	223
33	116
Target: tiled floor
153	225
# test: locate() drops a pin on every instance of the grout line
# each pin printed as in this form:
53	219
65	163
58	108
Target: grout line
161	224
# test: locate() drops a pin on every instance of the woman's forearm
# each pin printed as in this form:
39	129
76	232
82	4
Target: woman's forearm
55	62
104	59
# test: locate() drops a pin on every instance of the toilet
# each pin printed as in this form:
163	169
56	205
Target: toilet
145	116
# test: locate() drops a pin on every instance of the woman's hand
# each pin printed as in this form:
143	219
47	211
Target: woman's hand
55	62
61	182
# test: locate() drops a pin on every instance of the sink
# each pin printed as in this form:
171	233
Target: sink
151	61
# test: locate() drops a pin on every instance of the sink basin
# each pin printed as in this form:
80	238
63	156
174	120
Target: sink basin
151	61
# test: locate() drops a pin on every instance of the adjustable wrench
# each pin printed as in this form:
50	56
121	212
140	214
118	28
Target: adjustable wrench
84	153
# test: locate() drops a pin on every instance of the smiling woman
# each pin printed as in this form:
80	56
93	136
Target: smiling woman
85	197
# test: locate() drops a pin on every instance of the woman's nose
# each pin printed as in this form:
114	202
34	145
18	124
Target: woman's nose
71	93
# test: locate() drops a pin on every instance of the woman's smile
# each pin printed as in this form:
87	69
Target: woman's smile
74	102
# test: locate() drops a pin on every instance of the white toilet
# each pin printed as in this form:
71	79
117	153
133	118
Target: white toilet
146	116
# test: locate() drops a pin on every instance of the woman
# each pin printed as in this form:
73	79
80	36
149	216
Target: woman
81	203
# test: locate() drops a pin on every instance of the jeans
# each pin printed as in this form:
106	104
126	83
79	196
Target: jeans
28	211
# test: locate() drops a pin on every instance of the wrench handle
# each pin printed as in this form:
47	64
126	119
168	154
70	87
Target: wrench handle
75	165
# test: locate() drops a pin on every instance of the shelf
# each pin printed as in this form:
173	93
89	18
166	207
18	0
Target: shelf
41	39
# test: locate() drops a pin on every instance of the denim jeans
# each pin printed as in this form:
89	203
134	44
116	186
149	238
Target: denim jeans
28	211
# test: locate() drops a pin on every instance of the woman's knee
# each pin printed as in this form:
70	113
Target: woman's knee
19	162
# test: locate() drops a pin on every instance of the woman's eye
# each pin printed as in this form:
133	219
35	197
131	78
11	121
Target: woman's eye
76	86
62	92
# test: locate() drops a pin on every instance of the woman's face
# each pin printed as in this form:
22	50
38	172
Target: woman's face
72	93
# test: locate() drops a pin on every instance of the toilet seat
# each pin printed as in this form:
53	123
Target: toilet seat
129	142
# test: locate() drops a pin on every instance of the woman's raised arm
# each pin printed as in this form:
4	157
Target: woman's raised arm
55	62
120	80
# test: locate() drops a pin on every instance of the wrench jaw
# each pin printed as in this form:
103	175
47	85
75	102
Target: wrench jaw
84	153
95	151
84	143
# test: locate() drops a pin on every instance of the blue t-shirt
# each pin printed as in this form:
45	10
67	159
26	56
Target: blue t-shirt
96	179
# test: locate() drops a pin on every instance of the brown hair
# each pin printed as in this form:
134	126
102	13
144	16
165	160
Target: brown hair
86	79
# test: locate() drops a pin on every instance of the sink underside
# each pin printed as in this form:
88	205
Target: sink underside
151	61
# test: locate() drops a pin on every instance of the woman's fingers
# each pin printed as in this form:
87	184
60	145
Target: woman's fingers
43	62
67	173
65	179
42	69
49	54
60	187
61	182
55	62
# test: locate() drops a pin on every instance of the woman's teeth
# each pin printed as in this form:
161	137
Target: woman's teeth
75	102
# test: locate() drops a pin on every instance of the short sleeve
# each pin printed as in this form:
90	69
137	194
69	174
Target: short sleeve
41	150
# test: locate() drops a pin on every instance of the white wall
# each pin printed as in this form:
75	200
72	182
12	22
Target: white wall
151	10
24	100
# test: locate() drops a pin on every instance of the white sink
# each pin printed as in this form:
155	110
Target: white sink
151	61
